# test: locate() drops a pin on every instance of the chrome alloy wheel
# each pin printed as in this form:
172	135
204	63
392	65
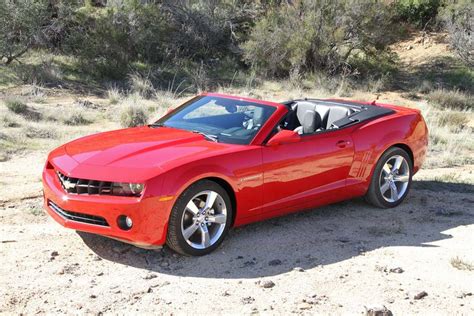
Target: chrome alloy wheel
204	219
394	178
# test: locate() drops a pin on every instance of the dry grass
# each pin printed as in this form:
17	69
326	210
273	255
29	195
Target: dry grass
451	99
461	264
114	95
456	121
133	111
35	91
9	120
141	84
451	142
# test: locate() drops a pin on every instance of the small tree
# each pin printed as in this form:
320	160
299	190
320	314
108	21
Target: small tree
458	18
20	26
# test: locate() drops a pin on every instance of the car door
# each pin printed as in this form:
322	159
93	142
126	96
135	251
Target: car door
298	174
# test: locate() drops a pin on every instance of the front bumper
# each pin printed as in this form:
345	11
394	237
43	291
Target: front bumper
149	214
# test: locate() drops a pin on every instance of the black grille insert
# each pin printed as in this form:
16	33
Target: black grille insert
78	217
83	186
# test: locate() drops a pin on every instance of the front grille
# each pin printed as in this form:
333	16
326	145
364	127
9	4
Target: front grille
78	217
83	186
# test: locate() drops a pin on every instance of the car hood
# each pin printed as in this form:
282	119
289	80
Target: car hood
138	150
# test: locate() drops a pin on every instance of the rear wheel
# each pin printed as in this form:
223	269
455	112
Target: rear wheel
199	219
391	179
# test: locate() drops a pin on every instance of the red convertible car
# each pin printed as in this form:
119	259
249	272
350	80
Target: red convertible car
219	161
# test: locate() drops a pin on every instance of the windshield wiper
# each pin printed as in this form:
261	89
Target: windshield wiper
210	137
156	125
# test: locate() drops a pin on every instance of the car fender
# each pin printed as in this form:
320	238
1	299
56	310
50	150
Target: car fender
185	176
373	139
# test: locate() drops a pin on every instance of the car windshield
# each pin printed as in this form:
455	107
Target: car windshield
219	119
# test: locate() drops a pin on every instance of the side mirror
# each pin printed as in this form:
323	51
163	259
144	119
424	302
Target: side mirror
284	137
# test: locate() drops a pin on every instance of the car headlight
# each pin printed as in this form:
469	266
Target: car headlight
136	188
127	189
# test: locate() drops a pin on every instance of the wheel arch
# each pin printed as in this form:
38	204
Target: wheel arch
406	148
219	179
380	153
230	191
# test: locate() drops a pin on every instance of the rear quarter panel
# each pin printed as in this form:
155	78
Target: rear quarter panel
404	128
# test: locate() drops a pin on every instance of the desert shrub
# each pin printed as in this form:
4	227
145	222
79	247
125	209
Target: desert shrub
418	12
451	99
141	84
39	132
16	106
458	18
76	118
318	35
133	115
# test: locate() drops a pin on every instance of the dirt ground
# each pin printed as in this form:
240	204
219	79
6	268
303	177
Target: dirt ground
339	259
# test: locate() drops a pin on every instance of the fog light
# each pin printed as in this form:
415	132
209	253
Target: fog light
124	222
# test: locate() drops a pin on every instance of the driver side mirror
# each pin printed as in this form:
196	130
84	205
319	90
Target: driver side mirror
284	137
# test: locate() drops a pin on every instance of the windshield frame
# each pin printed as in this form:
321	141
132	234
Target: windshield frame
273	109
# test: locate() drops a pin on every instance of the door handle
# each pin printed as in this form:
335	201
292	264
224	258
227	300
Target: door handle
343	143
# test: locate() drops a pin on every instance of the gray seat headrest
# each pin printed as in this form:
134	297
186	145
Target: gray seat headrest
309	119
311	122
336	113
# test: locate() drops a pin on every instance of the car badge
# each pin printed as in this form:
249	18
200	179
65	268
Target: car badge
68	185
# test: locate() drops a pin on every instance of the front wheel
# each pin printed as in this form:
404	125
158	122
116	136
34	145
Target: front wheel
199	219
391	179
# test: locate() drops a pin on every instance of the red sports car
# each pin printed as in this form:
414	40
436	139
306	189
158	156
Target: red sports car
219	161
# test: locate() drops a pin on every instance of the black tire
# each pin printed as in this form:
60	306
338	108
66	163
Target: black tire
374	195
175	239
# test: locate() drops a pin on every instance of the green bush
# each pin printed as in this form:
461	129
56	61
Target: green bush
128	32
16	106
418	12
318	35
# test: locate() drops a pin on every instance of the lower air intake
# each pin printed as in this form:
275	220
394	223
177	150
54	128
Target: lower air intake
78	217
